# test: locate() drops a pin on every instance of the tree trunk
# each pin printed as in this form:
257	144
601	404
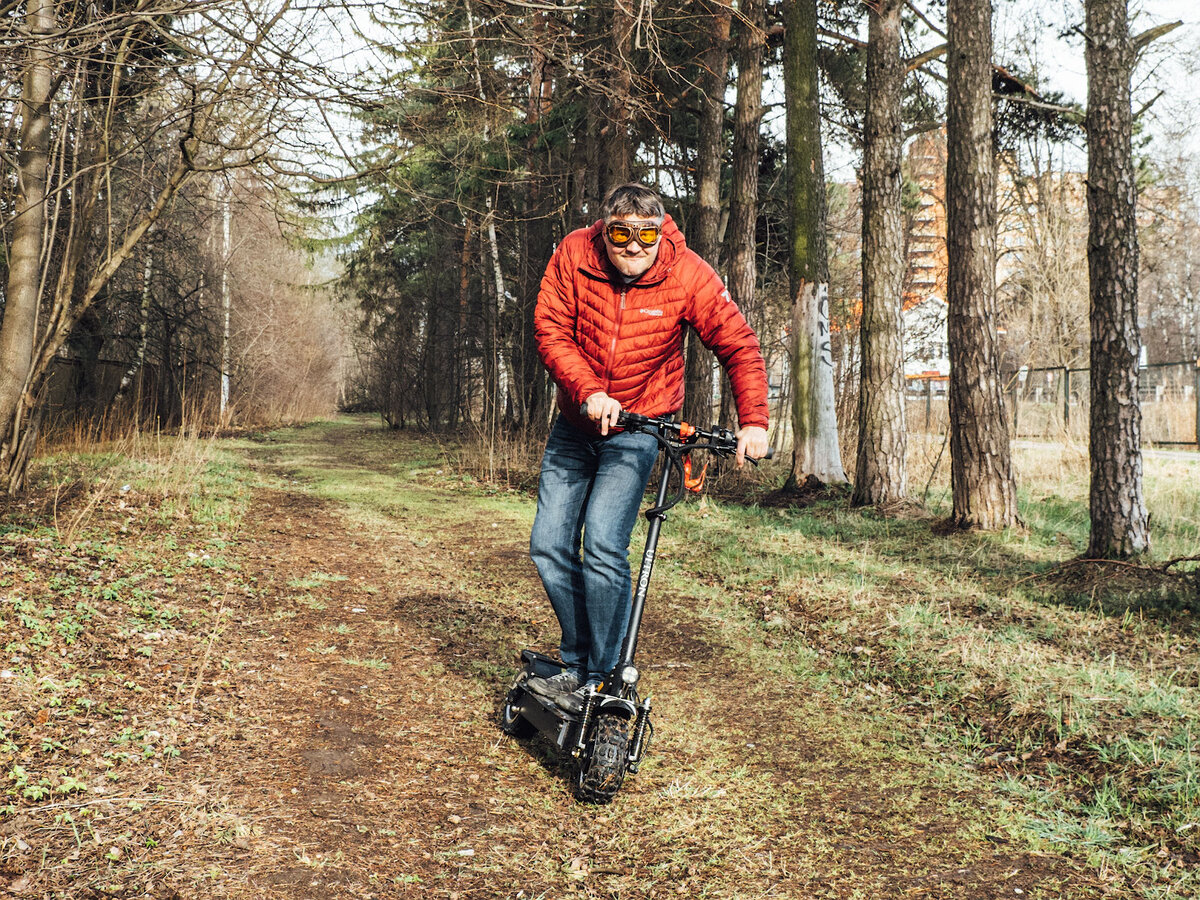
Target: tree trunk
87	340
743	196
982	483
743	193
498	390
462	352
139	353
1120	523
494	377
814	417
698	394
226	299
881	471
18	331
618	151
537	238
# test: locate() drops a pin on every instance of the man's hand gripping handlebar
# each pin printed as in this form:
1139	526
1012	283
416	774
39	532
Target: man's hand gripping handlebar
605	413
678	440
687	437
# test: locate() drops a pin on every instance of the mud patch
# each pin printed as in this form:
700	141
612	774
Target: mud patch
340	751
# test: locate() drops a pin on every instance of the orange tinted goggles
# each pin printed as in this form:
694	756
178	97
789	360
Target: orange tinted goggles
621	233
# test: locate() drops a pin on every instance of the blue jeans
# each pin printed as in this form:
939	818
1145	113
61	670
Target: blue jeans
588	497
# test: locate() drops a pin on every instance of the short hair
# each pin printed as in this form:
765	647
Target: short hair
632	200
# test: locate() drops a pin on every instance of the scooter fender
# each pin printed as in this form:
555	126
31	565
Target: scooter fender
616	706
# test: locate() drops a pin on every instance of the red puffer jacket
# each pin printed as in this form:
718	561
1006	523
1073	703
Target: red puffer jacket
595	333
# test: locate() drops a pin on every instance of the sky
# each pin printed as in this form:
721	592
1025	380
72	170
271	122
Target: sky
1174	119
1061	61
1061	67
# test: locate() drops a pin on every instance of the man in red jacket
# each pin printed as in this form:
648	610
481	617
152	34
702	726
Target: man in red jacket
609	325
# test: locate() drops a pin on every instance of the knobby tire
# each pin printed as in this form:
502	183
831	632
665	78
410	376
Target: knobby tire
602	771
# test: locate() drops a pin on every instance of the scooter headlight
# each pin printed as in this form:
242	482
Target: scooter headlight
630	675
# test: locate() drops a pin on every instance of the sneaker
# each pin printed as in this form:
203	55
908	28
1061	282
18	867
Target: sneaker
573	702
556	685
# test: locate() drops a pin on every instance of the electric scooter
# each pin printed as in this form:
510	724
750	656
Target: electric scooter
608	738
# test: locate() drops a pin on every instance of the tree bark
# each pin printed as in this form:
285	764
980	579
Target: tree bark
1120	523
814	418
982	482
743	195
226	299
23	292
139	353
618	156
881	470
498	387
711	150
537	238
462	368
698	394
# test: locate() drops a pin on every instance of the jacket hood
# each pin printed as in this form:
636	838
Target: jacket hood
670	249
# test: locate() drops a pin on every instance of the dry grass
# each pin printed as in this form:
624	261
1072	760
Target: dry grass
113	571
88	465
1170	421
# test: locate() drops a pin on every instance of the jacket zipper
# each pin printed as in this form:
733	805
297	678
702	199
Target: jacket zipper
612	345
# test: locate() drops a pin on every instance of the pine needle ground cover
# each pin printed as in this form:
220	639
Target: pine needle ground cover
270	667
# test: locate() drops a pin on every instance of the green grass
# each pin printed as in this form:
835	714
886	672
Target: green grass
93	618
1078	711
1007	667
314	581
369	663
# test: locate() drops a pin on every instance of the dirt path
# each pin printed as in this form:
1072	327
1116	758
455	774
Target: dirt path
353	750
370	760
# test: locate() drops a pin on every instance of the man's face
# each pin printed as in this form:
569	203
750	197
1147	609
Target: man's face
634	258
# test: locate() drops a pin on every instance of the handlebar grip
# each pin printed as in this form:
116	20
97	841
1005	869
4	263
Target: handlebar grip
631	420
625	419
757	459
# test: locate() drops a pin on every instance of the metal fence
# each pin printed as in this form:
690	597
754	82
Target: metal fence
1053	403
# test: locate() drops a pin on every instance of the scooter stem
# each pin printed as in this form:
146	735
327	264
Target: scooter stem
656	517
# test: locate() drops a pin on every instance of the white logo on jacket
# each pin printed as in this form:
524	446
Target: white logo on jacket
651	312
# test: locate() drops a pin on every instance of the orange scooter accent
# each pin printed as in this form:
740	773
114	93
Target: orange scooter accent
693	484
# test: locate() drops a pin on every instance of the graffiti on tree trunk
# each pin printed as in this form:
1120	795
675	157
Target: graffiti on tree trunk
824	349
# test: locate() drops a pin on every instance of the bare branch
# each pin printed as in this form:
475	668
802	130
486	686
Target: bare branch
940	32
919	61
1150	35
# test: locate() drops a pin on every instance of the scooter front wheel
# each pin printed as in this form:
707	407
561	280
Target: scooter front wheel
602	768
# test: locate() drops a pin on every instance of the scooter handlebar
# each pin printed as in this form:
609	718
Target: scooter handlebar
717	438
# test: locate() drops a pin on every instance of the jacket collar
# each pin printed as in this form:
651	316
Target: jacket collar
596	263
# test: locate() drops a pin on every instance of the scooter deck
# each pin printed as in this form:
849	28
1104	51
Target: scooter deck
555	724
